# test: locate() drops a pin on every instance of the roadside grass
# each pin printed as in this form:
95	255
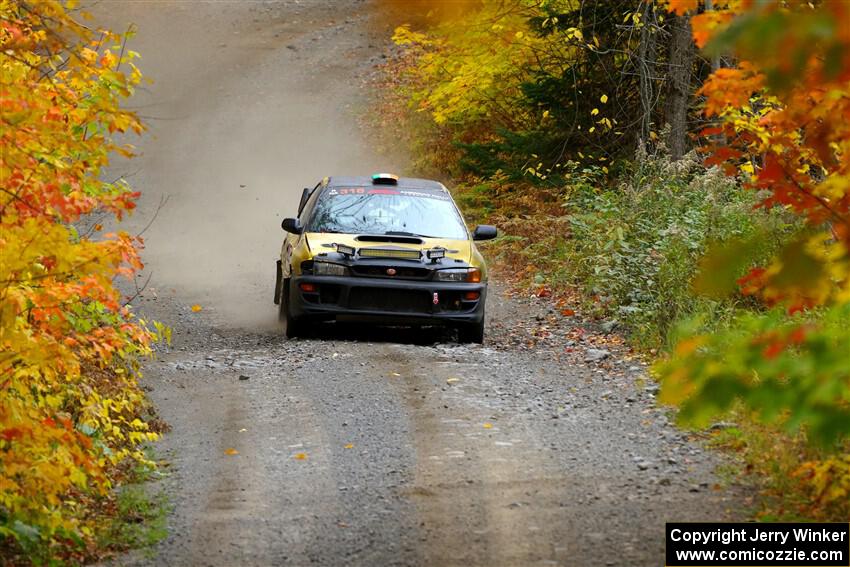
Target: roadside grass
135	516
140	520
631	247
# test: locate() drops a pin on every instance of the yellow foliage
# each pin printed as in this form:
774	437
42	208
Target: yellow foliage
473	72
828	482
71	411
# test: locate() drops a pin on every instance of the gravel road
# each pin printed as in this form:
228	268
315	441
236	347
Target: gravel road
359	446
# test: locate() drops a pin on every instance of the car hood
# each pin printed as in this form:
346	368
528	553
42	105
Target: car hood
323	241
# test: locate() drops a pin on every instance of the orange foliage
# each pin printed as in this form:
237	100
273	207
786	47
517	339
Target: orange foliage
785	107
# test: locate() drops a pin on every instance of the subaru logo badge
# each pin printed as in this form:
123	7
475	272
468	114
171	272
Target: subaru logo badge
391	271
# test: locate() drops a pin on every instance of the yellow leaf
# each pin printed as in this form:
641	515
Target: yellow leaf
488	426
300	456
349	446
603	99
231	451
196	308
594	112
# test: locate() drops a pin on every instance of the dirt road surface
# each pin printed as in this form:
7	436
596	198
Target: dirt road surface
358	446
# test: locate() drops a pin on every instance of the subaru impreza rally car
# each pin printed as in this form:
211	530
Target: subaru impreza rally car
381	249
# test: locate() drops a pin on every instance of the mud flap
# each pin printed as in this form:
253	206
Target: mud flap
277	283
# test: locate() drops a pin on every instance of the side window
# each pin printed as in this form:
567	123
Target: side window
311	204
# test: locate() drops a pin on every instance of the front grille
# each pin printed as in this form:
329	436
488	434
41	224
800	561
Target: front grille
389	253
383	299
401	272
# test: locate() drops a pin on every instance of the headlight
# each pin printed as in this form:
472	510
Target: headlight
465	275
328	269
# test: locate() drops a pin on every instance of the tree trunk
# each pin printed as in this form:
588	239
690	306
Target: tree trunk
646	69
679	85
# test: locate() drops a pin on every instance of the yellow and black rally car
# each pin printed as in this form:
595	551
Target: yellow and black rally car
384	249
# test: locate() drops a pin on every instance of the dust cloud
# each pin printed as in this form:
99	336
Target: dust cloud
241	117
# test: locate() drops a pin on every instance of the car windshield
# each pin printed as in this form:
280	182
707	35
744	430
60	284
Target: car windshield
387	210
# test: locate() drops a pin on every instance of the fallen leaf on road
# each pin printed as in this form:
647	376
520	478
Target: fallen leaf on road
452	380
488	426
349	446
243	430
196	308
394	374
543	292
300	456
231	451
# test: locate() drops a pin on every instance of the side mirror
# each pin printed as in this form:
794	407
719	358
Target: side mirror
484	232
292	225
305	196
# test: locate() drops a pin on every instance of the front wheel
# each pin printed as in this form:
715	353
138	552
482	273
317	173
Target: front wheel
293	327
471	333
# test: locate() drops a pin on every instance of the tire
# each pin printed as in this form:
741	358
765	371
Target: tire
293	327
471	333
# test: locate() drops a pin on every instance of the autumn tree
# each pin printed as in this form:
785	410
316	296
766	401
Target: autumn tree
71	411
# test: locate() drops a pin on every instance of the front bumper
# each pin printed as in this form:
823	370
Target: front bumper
385	300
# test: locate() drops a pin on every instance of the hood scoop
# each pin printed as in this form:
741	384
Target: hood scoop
389	238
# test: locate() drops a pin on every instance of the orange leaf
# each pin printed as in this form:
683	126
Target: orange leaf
682	6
